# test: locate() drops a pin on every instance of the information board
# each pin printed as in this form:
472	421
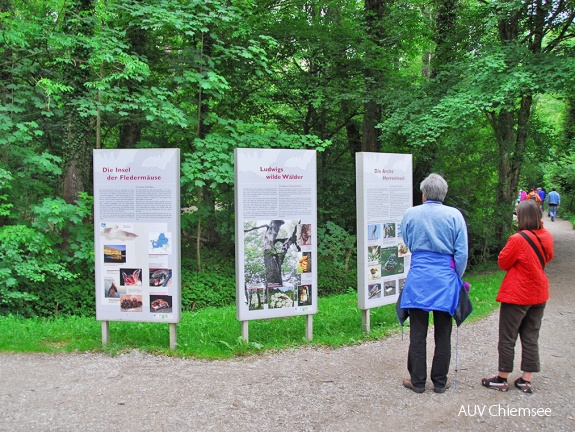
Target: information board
137	235
384	192
276	227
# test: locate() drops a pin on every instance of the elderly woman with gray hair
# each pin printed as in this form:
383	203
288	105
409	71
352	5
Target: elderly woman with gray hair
436	235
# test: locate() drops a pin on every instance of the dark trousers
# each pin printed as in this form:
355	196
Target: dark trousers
525	322
417	355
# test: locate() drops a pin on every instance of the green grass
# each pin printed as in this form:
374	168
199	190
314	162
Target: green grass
214	333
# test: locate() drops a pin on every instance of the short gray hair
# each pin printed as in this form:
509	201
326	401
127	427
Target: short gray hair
434	187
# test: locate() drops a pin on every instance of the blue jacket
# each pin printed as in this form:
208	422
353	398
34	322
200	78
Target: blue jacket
553	198
432	283
436	235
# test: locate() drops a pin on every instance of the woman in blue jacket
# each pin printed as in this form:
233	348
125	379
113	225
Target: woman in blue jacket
436	235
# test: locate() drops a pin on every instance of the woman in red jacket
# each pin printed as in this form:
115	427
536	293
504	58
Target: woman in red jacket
522	295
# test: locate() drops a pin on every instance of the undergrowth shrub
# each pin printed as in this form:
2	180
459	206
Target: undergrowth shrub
47	266
65	297
337	260
207	288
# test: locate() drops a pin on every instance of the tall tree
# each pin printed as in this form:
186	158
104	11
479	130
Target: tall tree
78	133
375	11
531	37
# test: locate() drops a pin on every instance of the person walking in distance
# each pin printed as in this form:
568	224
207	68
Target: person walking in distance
436	235
553	201
542	194
523	294
533	195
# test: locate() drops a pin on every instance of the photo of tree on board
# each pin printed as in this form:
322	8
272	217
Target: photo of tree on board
271	263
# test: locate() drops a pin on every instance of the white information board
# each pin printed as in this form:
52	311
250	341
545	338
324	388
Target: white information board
137	235
276	224
384	192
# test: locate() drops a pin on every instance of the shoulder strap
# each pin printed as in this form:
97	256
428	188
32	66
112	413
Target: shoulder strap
541	243
534	248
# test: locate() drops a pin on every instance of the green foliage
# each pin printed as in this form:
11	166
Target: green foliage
5	205
211	76
207	288
43	267
337	269
24	260
72	286
212	162
214	333
336	193
560	173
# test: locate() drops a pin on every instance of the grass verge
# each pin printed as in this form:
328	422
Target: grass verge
214	333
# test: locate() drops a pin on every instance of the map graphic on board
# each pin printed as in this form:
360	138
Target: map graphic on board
160	243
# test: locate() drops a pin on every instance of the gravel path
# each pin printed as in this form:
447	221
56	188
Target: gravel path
349	389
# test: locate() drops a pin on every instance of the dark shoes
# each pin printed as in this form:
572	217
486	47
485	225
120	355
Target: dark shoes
440	389
524	386
494	383
407	384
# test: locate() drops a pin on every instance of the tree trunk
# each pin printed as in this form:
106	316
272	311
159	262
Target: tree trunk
78	140
131	127
375	10
130	133
370	136
73	183
445	47
510	126
273	257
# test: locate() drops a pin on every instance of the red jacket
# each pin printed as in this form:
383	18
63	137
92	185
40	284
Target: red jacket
525	282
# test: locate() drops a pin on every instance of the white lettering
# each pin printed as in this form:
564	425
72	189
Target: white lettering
478	410
507	411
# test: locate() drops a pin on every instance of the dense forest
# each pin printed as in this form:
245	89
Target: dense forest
481	91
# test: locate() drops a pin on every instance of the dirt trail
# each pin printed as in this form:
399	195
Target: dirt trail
350	389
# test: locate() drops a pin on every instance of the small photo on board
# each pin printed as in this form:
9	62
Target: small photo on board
130	277
373	253
160	277
374	232
280	296
111	289
304	234
388	230
374	272
114	254
389	288
160	304
391	264
255	296
401	283
304	295
131	302
304	262
122	232
402	250
374	291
